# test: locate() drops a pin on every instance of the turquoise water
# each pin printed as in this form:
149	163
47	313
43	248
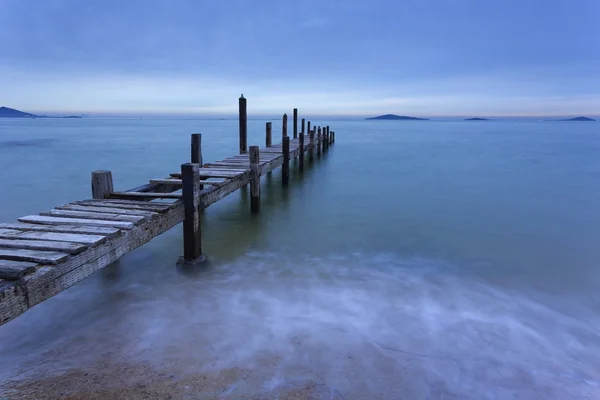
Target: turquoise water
425	258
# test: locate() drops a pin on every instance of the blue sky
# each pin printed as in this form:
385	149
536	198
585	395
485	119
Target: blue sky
330	57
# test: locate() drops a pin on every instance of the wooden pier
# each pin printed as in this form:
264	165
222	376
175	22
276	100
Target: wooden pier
42	255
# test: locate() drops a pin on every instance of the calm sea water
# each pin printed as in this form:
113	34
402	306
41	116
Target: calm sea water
414	260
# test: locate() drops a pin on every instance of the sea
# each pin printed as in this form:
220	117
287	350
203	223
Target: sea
414	260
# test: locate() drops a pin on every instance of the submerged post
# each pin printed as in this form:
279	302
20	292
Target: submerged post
192	233
301	151
295	123
311	155
284	126
268	135
285	168
328	137
254	179
243	126
102	184
303	131
324	140
332	137
308	128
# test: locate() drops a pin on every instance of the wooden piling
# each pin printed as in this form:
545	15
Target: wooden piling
301	150
268	142
192	234
323	140
319	144
332	137
243	126
328	137
196	148
311	155
295	123
284	126
303	131
254	179
308	128
285	168
102	184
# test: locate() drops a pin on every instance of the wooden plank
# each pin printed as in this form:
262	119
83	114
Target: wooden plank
15	269
214	194
179	182
8	232
46	245
229	167
127	205
134	195
213	173
92	215
90	240
38	219
109	210
92	230
40	257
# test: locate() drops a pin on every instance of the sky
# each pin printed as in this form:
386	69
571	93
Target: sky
326	57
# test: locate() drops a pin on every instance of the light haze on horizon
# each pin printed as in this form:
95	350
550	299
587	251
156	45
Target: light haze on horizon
346	58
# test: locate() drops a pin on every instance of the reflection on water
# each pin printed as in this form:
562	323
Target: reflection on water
410	261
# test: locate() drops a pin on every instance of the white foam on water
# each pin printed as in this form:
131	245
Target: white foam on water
354	324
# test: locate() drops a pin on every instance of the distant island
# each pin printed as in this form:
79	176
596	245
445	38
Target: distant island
476	119
398	117
577	119
6	112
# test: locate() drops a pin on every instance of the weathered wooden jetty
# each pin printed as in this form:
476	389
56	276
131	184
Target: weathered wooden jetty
42	255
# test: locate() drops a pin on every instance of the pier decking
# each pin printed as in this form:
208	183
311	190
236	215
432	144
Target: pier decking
42	255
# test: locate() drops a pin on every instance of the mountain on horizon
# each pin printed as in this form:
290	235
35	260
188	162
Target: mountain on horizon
398	117
6	112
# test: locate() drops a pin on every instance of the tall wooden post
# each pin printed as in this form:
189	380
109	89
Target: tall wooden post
303	131
192	233
285	168
268	135
311	155
102	184
197	151
295	123
323	140
284	126
301	151
319	145
254	179
243	126
328	138
308	128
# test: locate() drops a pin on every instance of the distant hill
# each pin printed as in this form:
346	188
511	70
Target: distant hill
476	119
398	117
6	112
578	119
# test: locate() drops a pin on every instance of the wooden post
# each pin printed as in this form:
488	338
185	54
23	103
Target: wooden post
192	234
301	150
254	179
312	145
323	140
332	137
308	128
243	126
268	138
285	168
284	126
102	184
319	145
303	131
328	137
295	123
197	151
